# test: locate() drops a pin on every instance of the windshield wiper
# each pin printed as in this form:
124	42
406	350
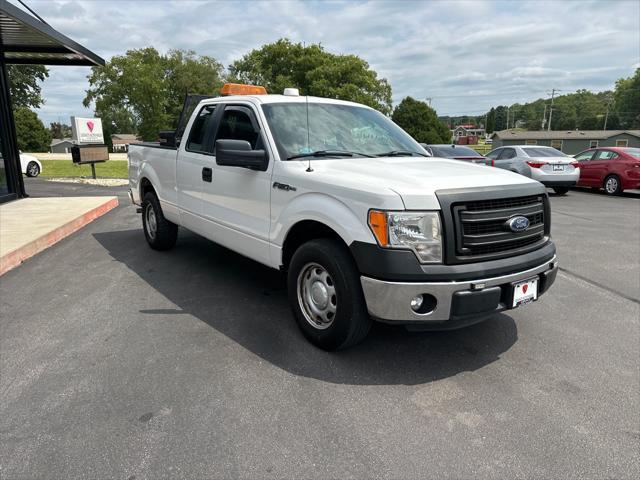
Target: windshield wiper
400	153
328	153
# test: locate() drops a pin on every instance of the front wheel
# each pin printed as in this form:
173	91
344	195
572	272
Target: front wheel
561	190
161	234
33	169
612	185
326	296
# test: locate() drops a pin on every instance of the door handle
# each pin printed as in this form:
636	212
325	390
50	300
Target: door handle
207	174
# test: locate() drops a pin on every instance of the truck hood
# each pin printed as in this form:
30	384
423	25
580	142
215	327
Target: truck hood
415	179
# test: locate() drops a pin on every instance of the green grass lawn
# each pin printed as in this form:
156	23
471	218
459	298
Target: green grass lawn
66	168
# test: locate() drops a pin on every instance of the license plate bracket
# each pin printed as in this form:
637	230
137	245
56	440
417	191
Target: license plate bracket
558	168
524	292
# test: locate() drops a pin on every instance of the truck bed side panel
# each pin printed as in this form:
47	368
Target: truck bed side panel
158	166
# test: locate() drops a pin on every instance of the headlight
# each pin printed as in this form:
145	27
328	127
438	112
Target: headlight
417	231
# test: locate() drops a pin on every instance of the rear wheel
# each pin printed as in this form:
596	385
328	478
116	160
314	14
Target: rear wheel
160	233
612	185
326	296
33	169
561	190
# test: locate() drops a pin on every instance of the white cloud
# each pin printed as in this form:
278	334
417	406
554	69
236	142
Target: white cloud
466	55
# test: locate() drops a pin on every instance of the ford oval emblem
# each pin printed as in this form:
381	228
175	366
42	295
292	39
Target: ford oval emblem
518	224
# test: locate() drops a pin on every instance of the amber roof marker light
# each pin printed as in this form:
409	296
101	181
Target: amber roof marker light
242	89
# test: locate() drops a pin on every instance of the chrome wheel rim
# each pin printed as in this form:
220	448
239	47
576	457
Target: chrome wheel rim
612	185
33	169
152	225
317	296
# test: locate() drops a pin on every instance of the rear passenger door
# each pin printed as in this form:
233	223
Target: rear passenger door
195	158
601	165
236	203
504	160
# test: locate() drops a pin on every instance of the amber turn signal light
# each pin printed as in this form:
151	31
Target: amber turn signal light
378	225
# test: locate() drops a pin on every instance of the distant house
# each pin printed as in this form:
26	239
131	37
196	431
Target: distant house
121	141
466	134
61	145
568	141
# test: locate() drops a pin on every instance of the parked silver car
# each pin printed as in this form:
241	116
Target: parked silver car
547	165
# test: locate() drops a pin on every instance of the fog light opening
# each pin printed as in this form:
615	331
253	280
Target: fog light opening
423	303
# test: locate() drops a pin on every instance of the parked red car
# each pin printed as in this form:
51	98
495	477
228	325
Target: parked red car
613	168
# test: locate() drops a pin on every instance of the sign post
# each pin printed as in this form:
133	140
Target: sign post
87	132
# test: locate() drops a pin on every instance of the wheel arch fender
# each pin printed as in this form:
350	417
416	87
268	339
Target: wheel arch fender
320	210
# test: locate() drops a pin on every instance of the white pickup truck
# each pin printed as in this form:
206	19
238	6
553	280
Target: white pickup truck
365	224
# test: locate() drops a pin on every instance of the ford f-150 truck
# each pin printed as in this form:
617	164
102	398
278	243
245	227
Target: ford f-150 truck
365	224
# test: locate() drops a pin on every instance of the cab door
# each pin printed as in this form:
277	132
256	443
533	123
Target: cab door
236	202
194	161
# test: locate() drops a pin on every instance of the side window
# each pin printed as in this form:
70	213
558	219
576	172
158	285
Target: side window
238	123
199	129
507	153
606	155
584	157
494	154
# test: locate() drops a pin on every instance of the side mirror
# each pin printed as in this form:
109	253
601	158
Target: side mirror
238	153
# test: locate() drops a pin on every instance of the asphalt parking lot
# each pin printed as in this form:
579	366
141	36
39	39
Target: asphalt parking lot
118	361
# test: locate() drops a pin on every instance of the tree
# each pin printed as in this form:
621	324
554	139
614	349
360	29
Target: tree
313	71
30	131
627	101
491	120
24	85
421	122
145	90
60	130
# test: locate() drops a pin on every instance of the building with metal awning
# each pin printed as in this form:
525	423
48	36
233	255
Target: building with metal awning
27	39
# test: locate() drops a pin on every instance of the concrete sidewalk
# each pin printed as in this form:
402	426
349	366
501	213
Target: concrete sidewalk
31	225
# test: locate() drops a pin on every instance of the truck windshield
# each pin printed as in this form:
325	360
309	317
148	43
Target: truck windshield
333	128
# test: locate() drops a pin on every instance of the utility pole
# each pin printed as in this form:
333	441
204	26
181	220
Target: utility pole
508	108
544	117
428	99
553	94
606	117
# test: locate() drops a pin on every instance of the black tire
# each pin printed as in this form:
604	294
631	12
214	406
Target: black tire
164	234
351	322
561	190
612	185
33	169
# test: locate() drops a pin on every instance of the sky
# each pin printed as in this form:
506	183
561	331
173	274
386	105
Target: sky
467	56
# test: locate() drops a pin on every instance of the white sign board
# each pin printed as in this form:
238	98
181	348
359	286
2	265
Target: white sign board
87	130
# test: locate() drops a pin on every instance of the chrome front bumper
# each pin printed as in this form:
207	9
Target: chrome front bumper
390	301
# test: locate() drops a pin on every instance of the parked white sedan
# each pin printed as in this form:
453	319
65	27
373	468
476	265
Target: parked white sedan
30	165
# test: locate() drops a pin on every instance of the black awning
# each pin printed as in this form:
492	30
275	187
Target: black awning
26	40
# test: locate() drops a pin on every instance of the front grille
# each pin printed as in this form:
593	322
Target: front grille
481	226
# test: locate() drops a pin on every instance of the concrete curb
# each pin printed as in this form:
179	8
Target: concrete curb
14	258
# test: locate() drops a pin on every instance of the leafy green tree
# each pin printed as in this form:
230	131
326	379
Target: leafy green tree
32	135
24	85
60	130
501	118
491	121
313	71
145	89
627	101
421	122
